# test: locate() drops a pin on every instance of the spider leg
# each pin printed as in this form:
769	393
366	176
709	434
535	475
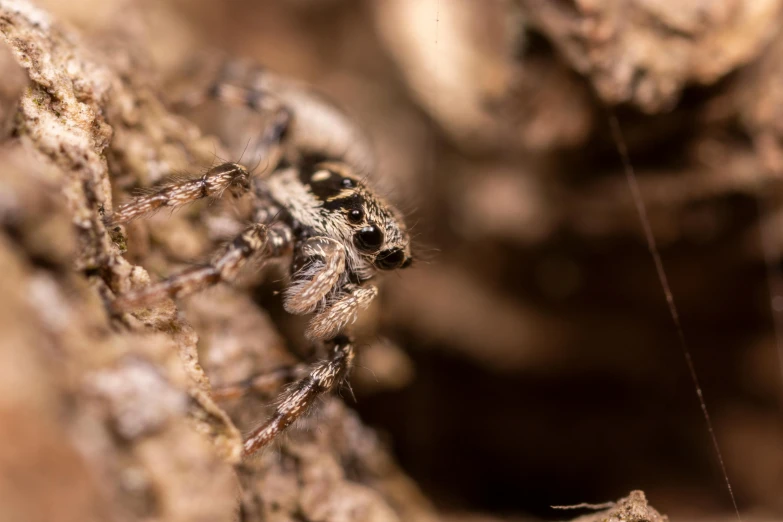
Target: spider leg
299	397
178	193
265	209
222	86
320	129
319	264
272	241
340	311
265	383
268	146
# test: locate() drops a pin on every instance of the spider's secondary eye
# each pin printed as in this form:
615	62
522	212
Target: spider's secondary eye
348	183
368	238
390	259
355	215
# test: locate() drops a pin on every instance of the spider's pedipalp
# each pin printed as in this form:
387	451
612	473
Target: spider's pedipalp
322	263
340	312
297	399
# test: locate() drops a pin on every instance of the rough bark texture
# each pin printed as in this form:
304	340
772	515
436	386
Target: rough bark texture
528	360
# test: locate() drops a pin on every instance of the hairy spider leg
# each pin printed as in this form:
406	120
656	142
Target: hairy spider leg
299	397
182	192
268	148
272	241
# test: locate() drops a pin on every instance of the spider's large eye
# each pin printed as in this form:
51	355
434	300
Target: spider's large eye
390	259
369	238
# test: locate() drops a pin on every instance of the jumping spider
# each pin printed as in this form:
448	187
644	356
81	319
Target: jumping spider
311	203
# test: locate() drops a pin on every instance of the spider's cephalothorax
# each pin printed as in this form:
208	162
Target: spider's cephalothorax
327	199
339	231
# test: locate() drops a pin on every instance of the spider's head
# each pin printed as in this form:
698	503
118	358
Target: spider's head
371	229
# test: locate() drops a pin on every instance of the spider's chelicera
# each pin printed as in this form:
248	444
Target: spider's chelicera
312	205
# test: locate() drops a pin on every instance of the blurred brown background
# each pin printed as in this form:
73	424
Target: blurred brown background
529	358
